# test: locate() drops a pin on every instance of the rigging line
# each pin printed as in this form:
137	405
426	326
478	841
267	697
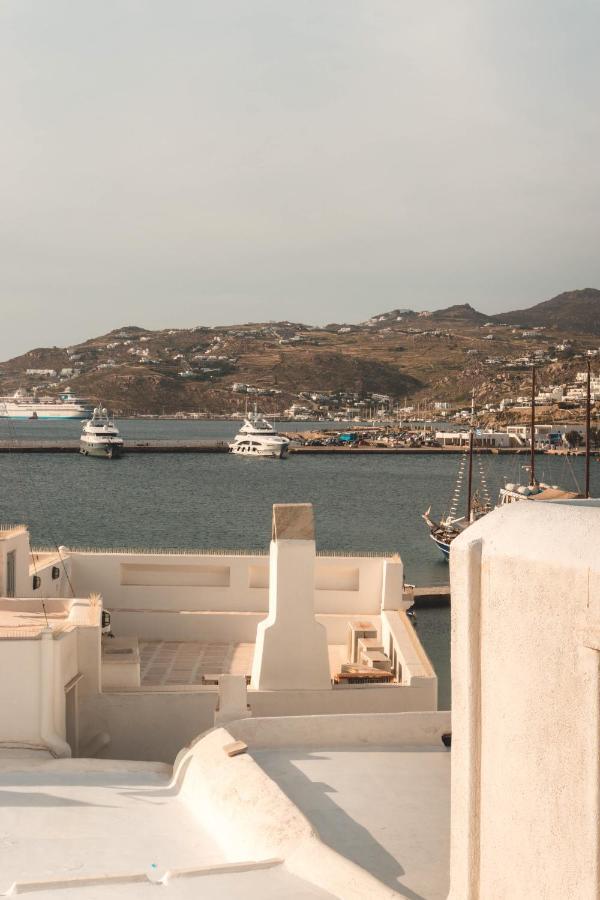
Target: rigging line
569	464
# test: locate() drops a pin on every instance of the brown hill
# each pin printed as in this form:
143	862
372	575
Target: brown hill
460	312
572	311
437	355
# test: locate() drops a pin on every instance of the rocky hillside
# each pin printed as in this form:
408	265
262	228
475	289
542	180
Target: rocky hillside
402	354
571	311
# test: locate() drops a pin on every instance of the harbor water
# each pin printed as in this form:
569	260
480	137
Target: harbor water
362	503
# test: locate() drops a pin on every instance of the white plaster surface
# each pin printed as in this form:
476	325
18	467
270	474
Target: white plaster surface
214	825
525	704
77	818
291	646
275	883
385	809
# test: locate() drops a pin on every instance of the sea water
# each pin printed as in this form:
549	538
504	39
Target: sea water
362	502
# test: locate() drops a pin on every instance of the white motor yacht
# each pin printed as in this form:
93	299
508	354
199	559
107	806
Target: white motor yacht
257	437
100	436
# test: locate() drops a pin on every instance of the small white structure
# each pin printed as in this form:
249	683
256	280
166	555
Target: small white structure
481	438
291	646
233	699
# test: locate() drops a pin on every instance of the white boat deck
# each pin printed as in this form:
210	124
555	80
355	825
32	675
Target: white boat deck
388	810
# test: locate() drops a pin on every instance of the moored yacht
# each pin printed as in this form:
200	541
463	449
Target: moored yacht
257	437
100	436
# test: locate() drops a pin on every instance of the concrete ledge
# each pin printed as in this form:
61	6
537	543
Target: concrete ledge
405	729
32	887
252	814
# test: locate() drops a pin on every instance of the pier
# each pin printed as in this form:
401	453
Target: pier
169	446
435	595
72	446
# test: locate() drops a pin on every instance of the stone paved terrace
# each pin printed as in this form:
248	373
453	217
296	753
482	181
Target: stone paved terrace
187	662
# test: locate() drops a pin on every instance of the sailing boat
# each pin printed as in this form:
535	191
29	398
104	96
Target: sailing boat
538	490
442	533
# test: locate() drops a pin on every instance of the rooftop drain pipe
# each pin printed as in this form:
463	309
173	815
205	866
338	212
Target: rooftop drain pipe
50	738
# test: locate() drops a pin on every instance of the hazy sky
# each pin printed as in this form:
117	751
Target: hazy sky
181	162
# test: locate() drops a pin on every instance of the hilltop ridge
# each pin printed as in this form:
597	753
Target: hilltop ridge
401	353
577	310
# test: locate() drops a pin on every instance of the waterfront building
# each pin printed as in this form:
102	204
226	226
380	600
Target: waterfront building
482	438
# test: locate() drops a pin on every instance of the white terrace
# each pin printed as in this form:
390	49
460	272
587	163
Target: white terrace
311	633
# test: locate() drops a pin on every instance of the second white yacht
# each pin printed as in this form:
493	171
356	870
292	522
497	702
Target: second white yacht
257	437
100	436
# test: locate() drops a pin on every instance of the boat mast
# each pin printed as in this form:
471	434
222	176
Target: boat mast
588	415
470	470
533	481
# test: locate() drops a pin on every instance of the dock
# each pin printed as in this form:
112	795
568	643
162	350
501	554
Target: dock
436	451
435	595
169	446
130	447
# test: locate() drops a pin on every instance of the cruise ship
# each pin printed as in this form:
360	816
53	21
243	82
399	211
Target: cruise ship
22	405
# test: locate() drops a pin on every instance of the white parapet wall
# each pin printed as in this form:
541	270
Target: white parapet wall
231	580
213	596
525	704
252	816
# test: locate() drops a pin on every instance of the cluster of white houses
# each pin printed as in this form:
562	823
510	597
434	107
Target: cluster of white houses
266	726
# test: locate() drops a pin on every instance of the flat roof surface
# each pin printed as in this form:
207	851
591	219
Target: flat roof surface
64	820
28	623
388	810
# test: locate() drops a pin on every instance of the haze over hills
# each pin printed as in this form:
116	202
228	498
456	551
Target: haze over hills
401	353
